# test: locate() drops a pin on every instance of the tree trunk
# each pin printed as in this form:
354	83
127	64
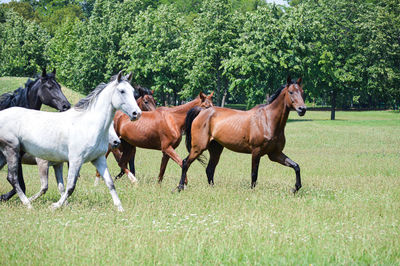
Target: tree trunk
224	97
333	105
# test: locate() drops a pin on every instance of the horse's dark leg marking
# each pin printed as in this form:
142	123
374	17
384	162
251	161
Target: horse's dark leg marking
132	164
12	192
215	149
284	160
163	166
255	162
14	169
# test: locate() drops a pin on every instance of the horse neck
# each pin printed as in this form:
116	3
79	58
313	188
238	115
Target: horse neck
181	110
277	113
103	110
33	101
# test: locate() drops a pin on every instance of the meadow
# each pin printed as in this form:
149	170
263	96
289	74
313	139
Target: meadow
347	212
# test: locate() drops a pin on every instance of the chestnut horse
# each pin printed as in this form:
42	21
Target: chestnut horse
158	130
258	131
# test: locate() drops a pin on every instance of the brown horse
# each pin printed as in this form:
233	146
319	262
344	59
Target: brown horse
158	130
258	131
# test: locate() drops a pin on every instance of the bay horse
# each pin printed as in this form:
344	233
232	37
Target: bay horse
158	130
43	90
78	135
258	131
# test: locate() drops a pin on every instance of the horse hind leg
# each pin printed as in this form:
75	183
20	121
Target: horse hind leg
73	173
15	172
169	152
215	149
12	192
286	161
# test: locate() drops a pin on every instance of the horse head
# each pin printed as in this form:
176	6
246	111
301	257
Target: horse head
123	97
294	97
144	98
49	92
206	101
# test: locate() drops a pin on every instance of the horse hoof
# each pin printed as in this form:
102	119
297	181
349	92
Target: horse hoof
120	209
294	190
54	206
29	206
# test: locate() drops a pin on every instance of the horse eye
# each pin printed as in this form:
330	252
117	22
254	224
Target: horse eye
122	92
290	92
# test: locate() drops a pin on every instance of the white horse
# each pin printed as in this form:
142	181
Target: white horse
43	166
78	135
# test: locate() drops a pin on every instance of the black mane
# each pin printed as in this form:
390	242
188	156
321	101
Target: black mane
19	97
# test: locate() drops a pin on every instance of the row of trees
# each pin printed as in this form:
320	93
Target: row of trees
347	51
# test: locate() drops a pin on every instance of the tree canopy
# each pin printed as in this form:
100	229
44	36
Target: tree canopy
348	52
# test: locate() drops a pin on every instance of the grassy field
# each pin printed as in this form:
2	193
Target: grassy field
348	211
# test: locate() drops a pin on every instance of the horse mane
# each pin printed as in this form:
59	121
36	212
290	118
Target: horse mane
19	97
86	102
278	92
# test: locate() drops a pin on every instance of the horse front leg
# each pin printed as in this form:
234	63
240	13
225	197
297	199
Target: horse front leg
73	173
128	151
115	153
101	166
43	166
286	161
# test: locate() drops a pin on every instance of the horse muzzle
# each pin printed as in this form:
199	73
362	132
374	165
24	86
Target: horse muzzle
115	144
301	110
136	115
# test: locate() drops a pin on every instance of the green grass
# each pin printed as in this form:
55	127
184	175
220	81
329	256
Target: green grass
348	211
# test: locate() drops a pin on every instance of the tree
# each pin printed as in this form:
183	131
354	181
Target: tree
152	50
22	44
211	40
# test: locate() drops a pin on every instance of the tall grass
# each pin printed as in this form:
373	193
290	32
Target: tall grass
347	212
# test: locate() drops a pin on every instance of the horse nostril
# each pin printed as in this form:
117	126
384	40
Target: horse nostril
134	113
66	107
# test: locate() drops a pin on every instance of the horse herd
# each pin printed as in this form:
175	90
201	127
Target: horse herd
118	117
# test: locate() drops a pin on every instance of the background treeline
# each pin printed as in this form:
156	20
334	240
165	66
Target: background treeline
347	51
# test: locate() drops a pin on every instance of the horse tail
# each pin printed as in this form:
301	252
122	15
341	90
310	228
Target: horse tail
190	116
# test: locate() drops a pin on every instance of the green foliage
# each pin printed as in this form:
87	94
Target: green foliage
22	44
211	39
242	50
152	50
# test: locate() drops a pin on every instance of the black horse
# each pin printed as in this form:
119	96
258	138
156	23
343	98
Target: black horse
43	90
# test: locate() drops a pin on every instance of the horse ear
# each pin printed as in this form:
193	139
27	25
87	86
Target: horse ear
289	80
299	81
119	76
211	95
152	92
202	96
54	72
44	72
129	77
